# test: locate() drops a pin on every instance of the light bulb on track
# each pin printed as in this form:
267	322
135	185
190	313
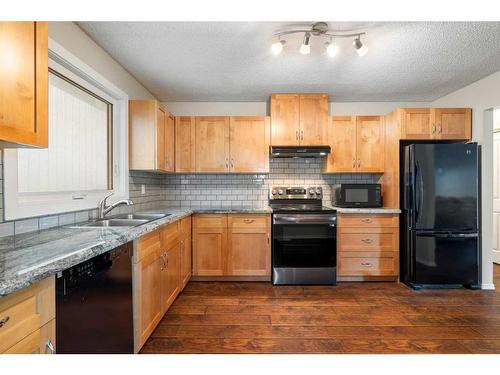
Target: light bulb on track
305	48
277	47
332	49
361	49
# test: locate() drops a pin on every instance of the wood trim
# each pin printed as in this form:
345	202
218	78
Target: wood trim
231	278
41	84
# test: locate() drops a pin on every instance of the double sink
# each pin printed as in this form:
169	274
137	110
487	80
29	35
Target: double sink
123	220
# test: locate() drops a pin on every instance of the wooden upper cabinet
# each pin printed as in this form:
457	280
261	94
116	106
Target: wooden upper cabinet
452	123
299	119
184	143
370	144
415	123
285	118
435	123
342	140
151	137
169	144
249	144
212	144
160	140
313	122
24	84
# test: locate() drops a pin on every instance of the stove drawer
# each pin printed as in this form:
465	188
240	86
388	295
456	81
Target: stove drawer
365	263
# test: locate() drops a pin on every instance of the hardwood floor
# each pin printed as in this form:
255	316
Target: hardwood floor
349	318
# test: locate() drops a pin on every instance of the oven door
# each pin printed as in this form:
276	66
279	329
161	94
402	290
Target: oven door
304	241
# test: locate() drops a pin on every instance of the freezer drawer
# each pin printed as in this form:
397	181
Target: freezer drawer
445	259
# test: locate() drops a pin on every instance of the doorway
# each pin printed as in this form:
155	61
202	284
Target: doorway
496	187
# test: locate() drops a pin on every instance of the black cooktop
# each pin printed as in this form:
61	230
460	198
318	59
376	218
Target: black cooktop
300	208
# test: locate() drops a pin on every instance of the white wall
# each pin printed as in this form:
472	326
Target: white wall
481	96
261	108
72	38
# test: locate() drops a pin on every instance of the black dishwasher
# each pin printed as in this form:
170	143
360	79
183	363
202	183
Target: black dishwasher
94	305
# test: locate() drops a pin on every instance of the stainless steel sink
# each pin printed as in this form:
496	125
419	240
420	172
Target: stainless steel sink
148	217
113	223
123	220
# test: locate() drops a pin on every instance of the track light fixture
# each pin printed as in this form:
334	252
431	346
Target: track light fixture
319	29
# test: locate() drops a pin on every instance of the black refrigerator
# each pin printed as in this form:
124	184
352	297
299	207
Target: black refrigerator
441	215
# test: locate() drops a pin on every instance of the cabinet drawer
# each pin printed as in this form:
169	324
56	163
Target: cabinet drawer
148	244
209	221
186	227
368	239
368	264
169	235
18	321
248	221
29	345
368	220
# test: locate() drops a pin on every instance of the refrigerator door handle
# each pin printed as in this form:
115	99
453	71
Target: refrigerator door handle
419	189
447	235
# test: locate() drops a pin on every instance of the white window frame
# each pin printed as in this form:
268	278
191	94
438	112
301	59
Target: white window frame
23	205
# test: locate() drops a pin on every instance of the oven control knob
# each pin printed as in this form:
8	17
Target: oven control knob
273	192
280	192
318	191
311	191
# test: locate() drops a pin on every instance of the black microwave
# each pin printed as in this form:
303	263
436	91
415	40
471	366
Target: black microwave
357	195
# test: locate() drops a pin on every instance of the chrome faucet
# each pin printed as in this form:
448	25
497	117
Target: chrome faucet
103	208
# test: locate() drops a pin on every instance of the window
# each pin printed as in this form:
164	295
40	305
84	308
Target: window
87	154
78	157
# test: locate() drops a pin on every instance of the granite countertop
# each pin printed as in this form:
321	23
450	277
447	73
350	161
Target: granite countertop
30	257
380	210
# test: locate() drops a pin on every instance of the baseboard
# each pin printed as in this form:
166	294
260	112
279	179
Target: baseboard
488	286
367	278
230	278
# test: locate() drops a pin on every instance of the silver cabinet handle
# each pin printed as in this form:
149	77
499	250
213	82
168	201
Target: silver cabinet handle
440	129
301	135
166	260
359	163
433	128
3	321
50	346
268	238
367	220
354	163
368	264
162	264
227	163
367	240
248	221
232	163
296	135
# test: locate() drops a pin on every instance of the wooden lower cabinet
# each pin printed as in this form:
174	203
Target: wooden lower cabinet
367	247
186	258
27	320
158	258
234	245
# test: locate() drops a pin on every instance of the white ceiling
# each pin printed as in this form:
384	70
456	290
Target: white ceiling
231	61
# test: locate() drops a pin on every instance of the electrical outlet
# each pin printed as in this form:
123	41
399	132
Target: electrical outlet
143	189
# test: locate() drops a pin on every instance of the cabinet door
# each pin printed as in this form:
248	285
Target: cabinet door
249	144
452	123
249	249
212	144
148	296
169	143
170	276
313	111
184	144
285	119
209	245
342	140
160	141
416	123
370	142
24	83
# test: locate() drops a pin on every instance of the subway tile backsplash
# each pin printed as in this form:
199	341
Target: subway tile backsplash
194	190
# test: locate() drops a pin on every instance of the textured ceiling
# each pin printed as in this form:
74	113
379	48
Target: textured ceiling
231	61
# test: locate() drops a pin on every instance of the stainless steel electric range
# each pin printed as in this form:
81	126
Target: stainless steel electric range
304	250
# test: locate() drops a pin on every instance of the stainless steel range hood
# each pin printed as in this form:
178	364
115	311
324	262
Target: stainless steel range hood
299	151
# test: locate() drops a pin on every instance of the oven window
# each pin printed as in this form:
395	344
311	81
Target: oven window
304	246
356	195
